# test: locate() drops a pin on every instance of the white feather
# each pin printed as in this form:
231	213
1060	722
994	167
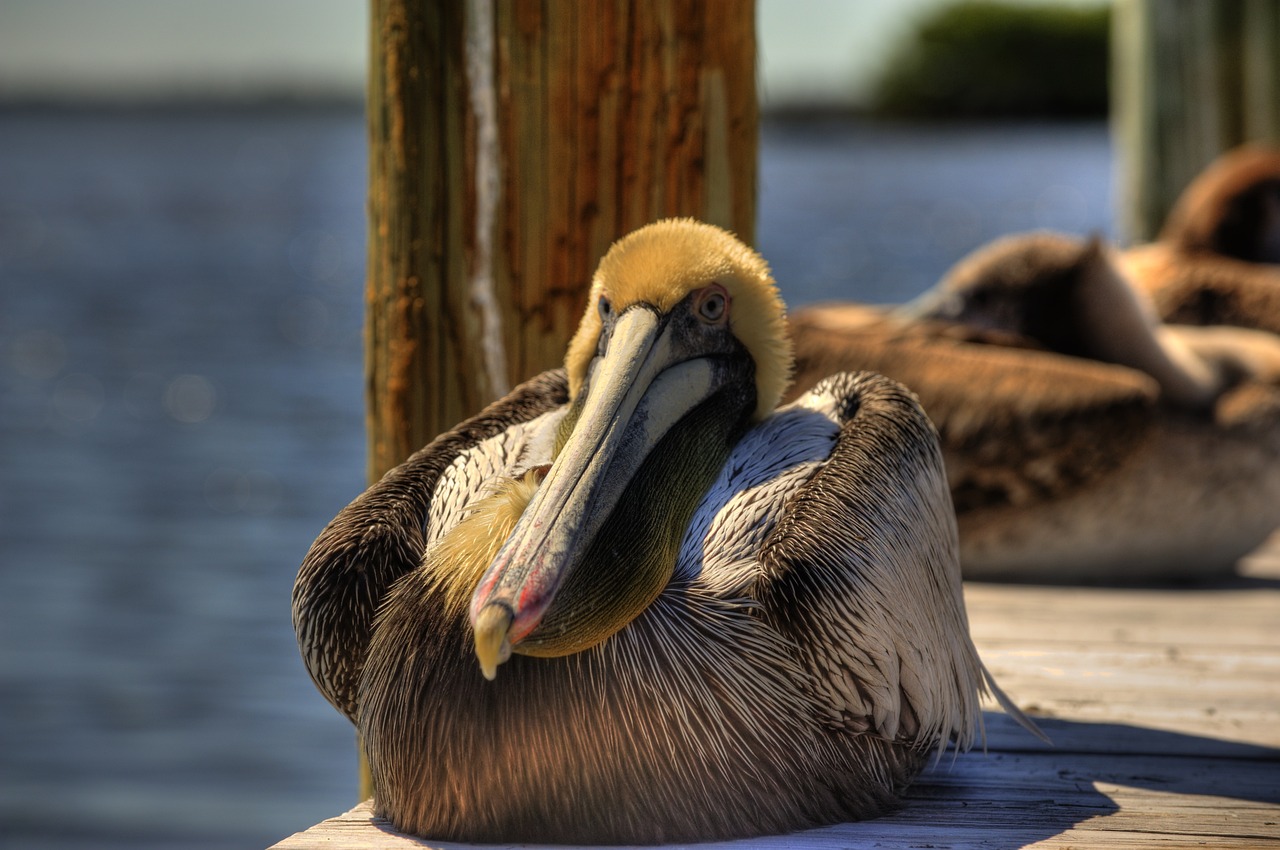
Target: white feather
507	454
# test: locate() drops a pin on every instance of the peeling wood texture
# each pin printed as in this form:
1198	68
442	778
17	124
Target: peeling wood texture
1190	80
610	114
1164	710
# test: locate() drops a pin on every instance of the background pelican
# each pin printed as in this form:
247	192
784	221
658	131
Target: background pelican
630	602
1217	260
1084	440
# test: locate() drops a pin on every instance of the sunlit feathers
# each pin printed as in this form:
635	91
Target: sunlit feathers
662	263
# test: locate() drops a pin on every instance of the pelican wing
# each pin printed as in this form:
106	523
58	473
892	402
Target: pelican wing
383	533
1016	424
862	574
1206	289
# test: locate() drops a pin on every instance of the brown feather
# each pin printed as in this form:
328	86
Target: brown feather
378	538
1066	467
713	714
1231	208
1202	289
1016	425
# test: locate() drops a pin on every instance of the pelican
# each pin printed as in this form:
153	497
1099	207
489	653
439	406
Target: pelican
1084	440
1217	261
631	602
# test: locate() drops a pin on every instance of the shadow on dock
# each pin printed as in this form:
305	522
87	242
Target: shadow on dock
1030	792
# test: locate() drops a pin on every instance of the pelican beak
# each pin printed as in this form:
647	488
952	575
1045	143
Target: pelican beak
647	380
493	646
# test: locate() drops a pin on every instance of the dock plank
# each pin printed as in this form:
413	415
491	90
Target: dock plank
1163	705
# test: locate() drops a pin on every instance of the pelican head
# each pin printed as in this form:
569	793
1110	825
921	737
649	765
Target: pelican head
1070	296
1032	285
682	346
1232	208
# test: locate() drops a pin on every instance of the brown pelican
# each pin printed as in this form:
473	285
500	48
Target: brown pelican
1084	440
631	602
1217	261
1232	209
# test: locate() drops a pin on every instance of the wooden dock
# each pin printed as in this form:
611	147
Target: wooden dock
1163	706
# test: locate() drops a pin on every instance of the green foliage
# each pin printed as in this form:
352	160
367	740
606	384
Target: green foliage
990	59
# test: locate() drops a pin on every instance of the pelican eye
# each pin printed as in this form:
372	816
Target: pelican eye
605	308
713	305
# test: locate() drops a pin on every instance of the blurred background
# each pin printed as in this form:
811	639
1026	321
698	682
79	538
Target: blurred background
182	190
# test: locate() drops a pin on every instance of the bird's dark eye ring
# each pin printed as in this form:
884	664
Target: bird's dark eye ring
605	308
712	306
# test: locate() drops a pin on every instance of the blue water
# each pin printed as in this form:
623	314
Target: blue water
181	412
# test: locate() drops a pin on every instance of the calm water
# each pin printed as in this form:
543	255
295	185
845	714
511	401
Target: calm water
180	297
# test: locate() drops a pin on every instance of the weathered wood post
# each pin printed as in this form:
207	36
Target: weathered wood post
509	144
1190	79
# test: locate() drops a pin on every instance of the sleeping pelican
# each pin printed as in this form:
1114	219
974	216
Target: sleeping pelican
1083	439
1232	209
631	602
1217	261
